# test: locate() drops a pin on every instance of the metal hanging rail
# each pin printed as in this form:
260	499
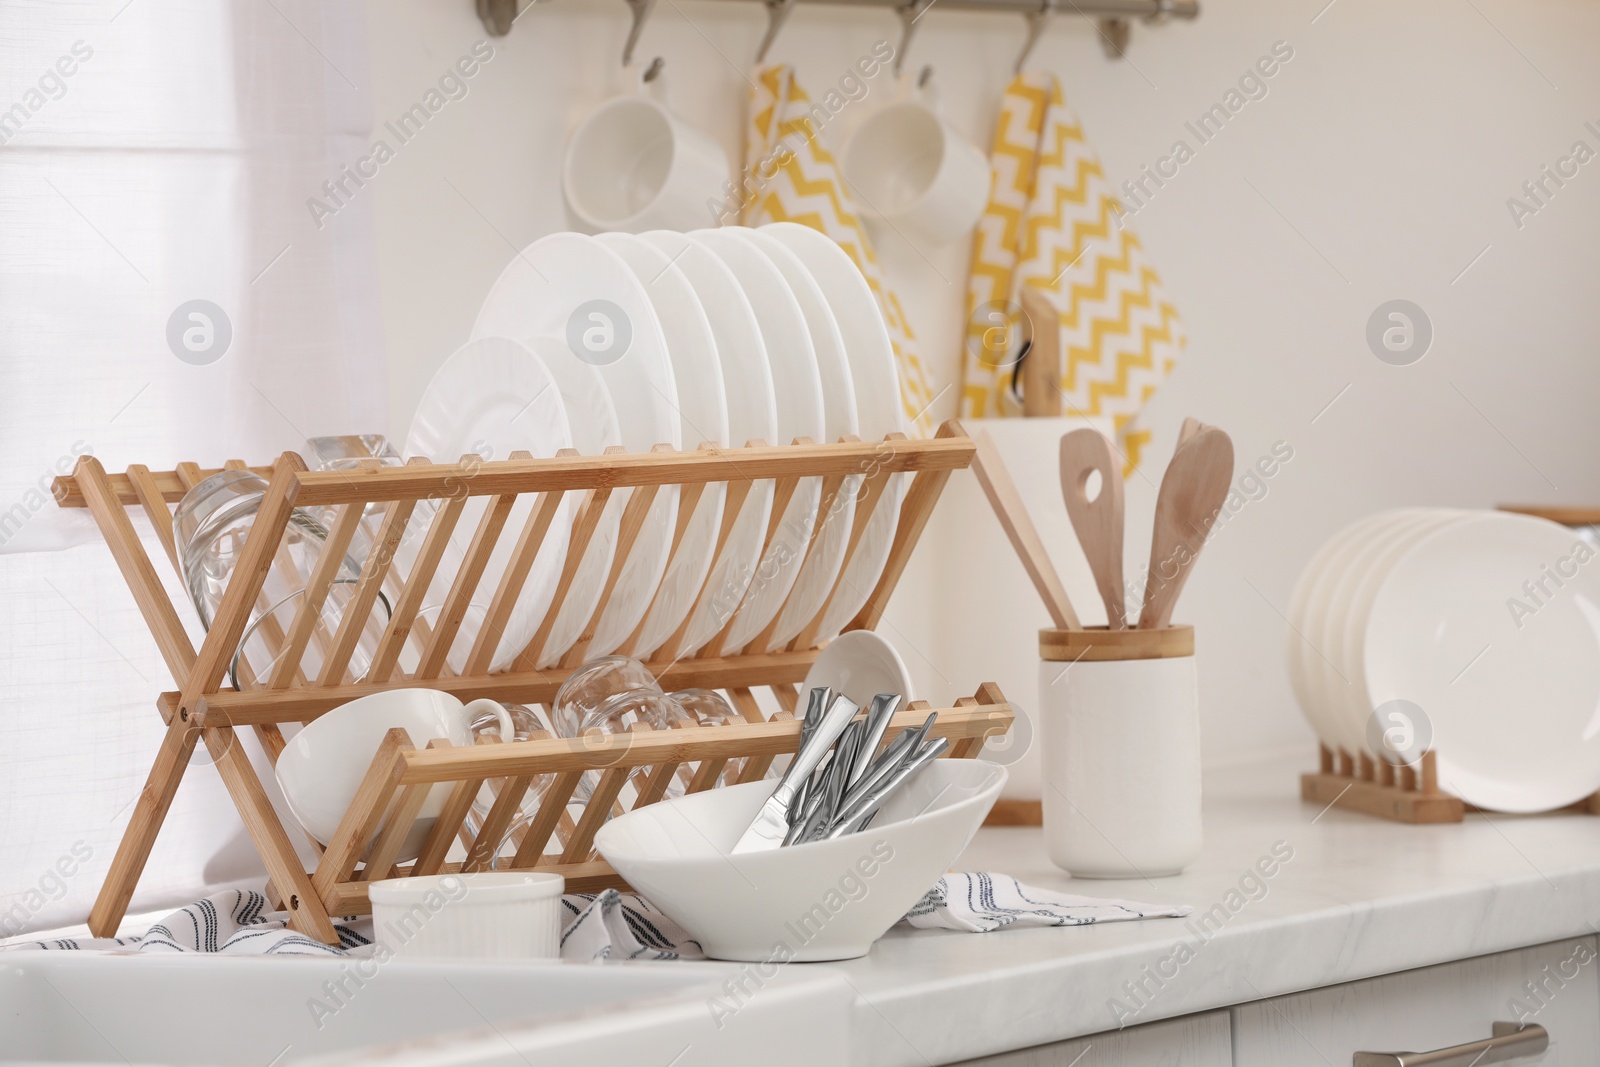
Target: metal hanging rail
1113	16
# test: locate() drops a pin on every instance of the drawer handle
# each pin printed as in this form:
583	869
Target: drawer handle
1510	1042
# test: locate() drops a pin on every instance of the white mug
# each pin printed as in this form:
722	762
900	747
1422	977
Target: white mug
907	166
1120	751
322	766
635	166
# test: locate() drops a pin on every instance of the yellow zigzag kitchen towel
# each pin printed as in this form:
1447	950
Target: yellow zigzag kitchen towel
1053	222
791	177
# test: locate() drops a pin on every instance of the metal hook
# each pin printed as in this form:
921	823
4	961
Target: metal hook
1114	34
641	11
777	15
1037	21
909	14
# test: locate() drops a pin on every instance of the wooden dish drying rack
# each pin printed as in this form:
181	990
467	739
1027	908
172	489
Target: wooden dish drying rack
401	776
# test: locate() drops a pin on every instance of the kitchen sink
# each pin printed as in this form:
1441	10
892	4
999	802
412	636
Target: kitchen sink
94	1007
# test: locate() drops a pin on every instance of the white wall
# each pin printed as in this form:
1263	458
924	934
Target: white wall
1378	166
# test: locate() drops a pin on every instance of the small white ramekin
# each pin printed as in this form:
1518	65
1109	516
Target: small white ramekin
470	916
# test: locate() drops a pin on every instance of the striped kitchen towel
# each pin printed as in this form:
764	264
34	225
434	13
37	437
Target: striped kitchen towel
1054	222
791	176
610	925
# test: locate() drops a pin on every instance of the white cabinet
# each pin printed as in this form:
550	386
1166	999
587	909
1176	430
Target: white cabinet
1192	1041
1554	985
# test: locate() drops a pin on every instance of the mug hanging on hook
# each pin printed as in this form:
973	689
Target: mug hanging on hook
908	167
634	165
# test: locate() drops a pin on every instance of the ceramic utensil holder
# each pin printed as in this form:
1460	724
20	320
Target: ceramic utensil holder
1119	733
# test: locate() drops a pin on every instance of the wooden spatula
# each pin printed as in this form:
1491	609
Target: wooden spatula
1098	522
1014	519
1192	493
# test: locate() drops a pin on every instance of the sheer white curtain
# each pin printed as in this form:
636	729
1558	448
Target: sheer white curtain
154	153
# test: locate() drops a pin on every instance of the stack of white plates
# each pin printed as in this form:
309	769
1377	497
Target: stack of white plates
718	337
1473	634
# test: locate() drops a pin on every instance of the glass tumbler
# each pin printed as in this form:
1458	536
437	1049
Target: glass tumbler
210	527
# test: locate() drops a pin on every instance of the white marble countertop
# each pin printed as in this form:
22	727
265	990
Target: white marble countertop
1358	897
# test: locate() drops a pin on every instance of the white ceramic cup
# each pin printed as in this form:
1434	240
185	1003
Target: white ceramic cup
486	914
634	166
322	766
907	166
1120	752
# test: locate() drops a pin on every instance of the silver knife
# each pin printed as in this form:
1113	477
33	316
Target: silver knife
771	823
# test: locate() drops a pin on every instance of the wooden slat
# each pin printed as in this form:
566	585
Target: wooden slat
512	581
454	812
308	613
148	593
583	529
827	513
507	806
595	813
776	737
914	514
155	509
523	687
706	775
732	507
872	494
633	517
402	813
404	616
788	696
359	610
551	809
306	912
782	494
261	546
420	481
459	599
688	501
149	811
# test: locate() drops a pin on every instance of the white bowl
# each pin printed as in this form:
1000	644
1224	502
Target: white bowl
860	664
481	915
322	766
826	900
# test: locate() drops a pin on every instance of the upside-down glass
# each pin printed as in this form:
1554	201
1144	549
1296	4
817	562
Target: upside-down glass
210	527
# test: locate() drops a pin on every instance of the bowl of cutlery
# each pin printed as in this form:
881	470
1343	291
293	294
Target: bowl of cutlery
818	864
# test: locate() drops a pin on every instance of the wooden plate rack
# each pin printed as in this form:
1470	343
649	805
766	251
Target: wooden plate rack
402	776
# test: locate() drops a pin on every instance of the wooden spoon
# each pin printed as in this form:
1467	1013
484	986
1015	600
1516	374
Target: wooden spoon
1192	493
1098	522
1014	519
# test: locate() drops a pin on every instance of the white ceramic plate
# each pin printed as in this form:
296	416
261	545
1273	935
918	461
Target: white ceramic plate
703	414
492	397
1347	624
793	362
554	289
752	416
825	554
1306	662
1512	695
879	410
1324	619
